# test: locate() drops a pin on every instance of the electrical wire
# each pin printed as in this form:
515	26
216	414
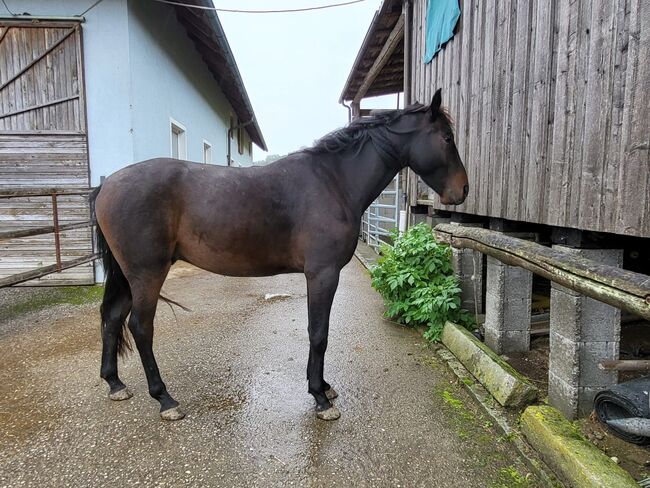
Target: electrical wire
89	8
5	4
80	15
236	11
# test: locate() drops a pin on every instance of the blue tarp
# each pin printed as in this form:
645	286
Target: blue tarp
442	16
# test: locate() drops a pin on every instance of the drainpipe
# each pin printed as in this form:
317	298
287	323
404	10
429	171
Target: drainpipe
349	110
229	137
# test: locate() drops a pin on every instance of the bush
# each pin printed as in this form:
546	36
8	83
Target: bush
415	278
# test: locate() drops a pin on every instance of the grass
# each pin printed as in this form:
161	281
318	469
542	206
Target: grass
510	477
36	299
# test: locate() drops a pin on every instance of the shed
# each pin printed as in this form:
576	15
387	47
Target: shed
549	100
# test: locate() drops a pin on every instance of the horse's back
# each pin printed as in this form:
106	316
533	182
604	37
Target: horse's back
234	221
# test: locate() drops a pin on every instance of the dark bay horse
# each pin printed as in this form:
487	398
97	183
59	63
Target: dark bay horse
299	214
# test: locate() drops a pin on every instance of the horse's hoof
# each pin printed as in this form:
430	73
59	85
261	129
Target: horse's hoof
331	413
331	394
172	414
119	395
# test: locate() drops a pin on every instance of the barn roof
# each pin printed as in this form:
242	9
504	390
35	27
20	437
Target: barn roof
205	30
379	66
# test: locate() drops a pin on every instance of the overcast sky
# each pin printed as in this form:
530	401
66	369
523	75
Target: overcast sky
294	65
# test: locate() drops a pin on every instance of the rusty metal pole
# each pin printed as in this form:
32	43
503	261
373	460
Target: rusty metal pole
57	238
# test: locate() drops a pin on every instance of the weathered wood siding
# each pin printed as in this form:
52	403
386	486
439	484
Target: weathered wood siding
43	143
552	108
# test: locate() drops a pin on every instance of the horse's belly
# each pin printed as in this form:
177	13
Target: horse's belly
231	256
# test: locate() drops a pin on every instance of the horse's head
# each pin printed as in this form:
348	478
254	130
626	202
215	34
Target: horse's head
433	155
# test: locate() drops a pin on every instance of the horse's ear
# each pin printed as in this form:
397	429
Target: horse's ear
435	103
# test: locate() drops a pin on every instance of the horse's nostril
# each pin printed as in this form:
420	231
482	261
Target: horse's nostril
465	190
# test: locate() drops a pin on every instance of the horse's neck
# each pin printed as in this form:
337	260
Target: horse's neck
364	176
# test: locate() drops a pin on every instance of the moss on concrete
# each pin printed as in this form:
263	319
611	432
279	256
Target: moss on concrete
28	300
506	385
573	458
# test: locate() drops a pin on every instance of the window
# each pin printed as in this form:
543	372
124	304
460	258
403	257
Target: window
178	144
207	152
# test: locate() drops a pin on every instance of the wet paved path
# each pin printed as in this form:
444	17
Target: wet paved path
237	364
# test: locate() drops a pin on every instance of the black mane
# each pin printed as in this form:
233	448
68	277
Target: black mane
358	132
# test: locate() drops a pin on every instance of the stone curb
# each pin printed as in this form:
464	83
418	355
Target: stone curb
574	459
499	417
507	386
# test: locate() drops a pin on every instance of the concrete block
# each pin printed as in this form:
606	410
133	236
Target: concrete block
575	460
563	358
586	395
507	307
565	314
563	396
583	333
516	340
591	353
600	322
507	386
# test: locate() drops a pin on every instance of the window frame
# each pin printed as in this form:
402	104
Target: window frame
178	129
207	145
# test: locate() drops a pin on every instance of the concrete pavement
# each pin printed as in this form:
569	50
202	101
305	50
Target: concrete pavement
237	363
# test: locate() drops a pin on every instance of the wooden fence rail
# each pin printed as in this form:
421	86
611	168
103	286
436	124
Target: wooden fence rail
615	286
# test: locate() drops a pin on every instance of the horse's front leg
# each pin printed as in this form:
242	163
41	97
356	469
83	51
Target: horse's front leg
321	287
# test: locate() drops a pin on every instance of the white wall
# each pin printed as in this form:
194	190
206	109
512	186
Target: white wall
169	79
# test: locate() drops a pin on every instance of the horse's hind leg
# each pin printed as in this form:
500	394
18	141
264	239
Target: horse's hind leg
115	309
145	300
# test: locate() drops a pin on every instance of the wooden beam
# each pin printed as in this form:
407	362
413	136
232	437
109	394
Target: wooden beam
4	33
42	105
395	37
625	365
618	287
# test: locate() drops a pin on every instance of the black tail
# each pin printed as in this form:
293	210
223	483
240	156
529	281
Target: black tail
116	286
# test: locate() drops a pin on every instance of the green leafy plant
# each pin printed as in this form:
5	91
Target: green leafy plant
415	278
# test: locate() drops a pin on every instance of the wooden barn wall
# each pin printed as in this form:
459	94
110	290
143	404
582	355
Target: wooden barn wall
551	102
43	144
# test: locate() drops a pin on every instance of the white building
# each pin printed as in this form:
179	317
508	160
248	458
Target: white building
83	94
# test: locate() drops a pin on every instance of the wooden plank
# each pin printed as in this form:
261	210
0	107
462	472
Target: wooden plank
14	234
634	187
609	201
464	113
36	60
597	108
564	113
540	82
40	272
475	112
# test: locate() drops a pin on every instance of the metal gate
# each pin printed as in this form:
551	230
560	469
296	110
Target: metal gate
382	215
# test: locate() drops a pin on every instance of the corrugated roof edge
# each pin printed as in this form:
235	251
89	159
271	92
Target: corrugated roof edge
222	40
383	10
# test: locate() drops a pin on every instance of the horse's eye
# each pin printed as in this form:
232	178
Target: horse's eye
448	138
